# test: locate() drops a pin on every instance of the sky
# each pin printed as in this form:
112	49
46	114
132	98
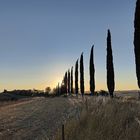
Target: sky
41	39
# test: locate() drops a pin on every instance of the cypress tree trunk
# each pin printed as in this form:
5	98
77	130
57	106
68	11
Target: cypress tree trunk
72	80
69	82
76	78
92	72
81	75
110	68
137	40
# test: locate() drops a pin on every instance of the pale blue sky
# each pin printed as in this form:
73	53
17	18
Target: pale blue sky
41	39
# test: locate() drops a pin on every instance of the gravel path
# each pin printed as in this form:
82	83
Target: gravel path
35	119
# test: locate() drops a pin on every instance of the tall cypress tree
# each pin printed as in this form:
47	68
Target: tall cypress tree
92	72
69	82
81	75
137	40
66	82
63	89
110	67
58	88
72	80
63	86
76	78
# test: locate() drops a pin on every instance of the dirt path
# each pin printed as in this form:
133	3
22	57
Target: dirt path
35	119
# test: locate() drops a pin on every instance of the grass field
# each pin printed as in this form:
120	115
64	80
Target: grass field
99	118
103	118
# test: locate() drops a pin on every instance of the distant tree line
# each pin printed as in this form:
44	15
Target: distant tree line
67	82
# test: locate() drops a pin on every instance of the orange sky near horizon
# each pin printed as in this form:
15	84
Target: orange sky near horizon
100	85
41	39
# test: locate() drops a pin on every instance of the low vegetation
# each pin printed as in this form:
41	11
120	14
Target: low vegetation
15	95
104	119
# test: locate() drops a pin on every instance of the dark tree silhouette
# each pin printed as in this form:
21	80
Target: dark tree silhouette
63	90
81	75
47	90
63	86
137	40
66	82
72	80
92	72
69	82
110	67
58	89
76	78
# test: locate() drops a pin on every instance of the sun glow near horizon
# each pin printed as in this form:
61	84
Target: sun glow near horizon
41	40
53	84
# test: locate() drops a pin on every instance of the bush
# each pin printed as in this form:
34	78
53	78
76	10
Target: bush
103	93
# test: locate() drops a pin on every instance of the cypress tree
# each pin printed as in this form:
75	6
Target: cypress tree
81	75
110	67
76	78
92	72
137	40
72	80
69	82
63	87
65	82
58	89
61	90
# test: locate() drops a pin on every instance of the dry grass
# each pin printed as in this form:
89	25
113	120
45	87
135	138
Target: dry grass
104	119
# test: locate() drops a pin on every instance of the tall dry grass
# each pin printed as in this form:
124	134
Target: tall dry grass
103	118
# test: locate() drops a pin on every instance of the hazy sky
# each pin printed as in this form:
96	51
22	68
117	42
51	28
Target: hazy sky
41	39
